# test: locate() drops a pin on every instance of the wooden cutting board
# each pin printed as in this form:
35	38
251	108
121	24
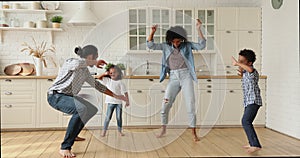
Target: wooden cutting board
13	69
27	69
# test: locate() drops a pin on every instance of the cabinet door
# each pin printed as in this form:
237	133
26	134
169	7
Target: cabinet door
260	118
233	107
251	40
113	121
156	99
17	115
227	43
227	18
138	111
210	107
249	18
46	116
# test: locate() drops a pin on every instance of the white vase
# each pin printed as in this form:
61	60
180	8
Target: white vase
38	62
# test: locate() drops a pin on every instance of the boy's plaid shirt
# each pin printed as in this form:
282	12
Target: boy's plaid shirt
251	89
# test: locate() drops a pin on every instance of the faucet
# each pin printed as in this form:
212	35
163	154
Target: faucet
147	68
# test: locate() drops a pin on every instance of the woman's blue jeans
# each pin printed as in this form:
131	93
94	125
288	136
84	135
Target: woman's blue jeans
109	112
248	117
80	109
179	80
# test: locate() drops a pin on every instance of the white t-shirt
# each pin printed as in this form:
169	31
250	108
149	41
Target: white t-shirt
117	87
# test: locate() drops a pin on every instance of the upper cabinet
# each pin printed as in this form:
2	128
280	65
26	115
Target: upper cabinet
242	18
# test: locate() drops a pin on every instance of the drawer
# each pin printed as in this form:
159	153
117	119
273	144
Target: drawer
144	84
18	84
17	96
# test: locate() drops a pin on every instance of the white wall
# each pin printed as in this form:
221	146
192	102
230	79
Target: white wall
280	52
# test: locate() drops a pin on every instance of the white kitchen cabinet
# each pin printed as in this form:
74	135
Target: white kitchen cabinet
18	103
47	116
233	107
249	18
227	18
156	99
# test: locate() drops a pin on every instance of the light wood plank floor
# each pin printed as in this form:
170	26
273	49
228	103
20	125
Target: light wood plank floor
140	143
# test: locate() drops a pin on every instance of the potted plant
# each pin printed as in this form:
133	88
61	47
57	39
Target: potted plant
56	21
38	53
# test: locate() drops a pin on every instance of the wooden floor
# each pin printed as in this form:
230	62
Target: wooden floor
139	143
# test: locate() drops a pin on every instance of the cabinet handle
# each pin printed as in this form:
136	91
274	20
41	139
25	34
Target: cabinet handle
139	91
208	86
208	80
228	72
8	80
231	91
228	31
8	106
209	91
163	91
50	80
228	66
150	79
8	93
250	31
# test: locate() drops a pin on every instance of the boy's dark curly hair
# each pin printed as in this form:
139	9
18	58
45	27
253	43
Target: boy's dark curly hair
176	32
248	54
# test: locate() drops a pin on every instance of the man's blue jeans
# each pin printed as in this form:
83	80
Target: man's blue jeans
248	117
109	112
81	111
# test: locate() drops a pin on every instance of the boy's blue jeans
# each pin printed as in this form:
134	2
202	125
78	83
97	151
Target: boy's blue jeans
249	114
109	112
180	80
80	109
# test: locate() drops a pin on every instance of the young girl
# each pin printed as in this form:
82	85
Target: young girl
112	79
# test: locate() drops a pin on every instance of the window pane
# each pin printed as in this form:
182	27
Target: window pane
142	16
165	16
132	16
189	38
201	15
156	16
157	39
133	43
179	17
142	43
188	17
210	43
165	28
210	16
142	29
210	30
188	29
132	30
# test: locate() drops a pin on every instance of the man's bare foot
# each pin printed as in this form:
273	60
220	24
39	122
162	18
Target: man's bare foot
66	153
103	133
252	149
246	146
79	139
121	134
196	138
163	132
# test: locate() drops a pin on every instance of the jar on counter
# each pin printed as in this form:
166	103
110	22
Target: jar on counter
5	5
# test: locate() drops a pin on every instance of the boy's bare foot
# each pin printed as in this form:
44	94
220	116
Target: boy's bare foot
196	138
121	134
103	133
252	149
67	153
246	146
79	139
162	133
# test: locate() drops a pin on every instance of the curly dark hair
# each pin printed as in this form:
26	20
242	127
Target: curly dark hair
176	32
248	54
120	76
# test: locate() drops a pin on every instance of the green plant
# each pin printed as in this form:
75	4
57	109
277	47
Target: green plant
56	19
108	66
121	66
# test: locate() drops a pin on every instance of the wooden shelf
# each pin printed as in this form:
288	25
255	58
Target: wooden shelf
29	29
30	11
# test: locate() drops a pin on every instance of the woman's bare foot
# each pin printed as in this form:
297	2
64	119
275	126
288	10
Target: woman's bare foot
252	149
196	138
163	132
79	139
103	133
67	153
121	134
246	146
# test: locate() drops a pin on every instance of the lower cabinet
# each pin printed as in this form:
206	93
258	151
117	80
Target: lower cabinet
217	103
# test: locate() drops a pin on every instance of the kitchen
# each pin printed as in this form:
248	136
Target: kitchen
121	39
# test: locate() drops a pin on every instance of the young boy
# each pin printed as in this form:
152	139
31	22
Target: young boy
252	98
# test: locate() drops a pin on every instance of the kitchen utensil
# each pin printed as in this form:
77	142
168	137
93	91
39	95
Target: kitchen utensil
13	69
27	69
